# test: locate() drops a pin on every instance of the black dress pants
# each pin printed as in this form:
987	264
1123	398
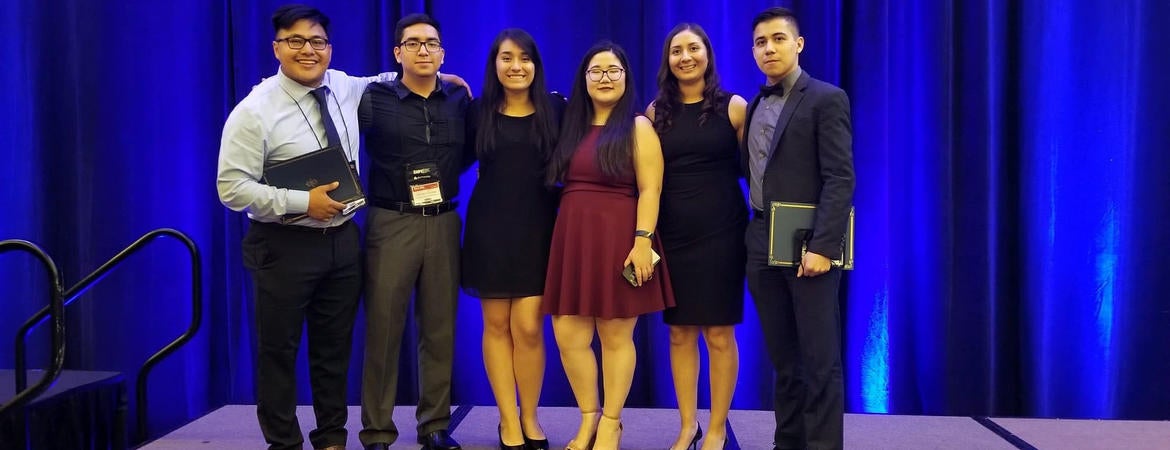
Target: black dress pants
304	279
801	323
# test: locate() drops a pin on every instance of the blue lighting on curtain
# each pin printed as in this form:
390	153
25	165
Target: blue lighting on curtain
866	314
875	367
1079	134
1011	191
1106	287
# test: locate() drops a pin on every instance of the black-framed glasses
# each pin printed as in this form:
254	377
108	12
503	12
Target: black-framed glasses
297	42
614	73
413	46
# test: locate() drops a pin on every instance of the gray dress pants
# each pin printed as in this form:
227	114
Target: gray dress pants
409	254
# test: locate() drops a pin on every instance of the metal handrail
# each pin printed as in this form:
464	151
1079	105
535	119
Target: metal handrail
55	310
78	289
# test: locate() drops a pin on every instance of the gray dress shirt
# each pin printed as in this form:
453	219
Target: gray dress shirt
763	128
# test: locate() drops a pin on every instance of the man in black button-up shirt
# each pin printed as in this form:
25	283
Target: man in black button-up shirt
416	141
403	127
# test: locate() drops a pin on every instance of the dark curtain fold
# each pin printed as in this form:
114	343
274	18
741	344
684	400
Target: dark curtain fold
1010	191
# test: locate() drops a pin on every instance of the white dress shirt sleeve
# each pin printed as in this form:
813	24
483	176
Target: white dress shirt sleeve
242	153
358	84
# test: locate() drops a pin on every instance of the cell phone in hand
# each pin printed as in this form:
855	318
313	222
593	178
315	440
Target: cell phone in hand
631	276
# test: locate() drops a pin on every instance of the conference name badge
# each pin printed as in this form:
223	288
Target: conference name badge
423	180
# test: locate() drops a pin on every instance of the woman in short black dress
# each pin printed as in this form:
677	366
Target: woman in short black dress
509	226
702	223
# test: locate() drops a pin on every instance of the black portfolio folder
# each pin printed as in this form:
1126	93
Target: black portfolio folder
790	228
316	168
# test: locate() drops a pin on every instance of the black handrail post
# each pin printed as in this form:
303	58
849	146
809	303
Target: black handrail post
56	311
78	289
21	361
196	319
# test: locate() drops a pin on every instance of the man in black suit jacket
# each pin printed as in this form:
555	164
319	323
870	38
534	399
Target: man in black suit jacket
798	148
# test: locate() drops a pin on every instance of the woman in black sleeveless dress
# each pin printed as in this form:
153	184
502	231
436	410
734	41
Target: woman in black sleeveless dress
509	227
702	223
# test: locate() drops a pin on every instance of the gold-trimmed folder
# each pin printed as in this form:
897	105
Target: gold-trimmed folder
789	229
316	168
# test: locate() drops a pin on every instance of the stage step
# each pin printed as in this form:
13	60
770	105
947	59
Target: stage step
82	409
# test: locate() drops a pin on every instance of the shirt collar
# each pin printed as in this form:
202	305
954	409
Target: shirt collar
403	91
790	80
295	89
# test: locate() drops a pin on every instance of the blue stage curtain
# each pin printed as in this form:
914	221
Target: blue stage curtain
1010	196
110	133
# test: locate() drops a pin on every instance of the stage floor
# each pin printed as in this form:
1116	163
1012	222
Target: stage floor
235	427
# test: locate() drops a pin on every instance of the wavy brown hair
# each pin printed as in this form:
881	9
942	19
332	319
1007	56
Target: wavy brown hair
669	97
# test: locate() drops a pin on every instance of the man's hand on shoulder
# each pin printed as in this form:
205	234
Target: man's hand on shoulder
456	80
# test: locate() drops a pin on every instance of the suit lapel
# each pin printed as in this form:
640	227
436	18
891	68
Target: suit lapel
790	105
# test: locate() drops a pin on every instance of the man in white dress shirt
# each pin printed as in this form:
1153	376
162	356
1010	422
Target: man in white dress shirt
308	271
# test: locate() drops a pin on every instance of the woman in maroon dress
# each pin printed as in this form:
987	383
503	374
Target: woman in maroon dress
610	164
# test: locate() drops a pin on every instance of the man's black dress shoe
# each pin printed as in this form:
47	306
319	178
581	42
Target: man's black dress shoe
377	446
438	440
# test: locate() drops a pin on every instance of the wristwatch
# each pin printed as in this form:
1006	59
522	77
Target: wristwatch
643	233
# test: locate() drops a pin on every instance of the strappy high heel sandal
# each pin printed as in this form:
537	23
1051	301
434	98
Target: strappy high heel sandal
572	445
618	439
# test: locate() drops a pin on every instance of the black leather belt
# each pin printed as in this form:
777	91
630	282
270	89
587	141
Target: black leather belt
758	213
428	210
302	228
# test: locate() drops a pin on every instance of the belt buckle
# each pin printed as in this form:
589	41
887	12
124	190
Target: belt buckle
424	210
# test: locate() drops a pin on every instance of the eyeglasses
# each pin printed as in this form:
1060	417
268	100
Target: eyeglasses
614	74
297	42
413	46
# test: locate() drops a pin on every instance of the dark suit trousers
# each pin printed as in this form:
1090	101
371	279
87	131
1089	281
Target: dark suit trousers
801	323
405	252
303	277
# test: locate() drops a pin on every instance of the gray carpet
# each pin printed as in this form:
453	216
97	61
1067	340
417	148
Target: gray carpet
235	427
1089	434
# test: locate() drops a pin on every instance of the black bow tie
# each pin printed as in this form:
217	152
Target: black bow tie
775	89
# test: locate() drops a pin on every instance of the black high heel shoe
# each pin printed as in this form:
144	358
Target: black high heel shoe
695	439
536	444
503	446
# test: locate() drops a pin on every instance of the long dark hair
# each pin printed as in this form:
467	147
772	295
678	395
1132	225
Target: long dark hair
615	146
544	126
670	98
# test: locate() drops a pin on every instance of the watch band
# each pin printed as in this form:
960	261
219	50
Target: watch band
643	233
